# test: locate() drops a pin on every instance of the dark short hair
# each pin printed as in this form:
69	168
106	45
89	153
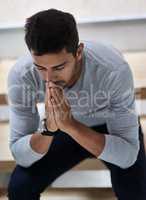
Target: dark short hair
50	31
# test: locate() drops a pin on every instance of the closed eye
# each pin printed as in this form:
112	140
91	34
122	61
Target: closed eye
41	69
59	68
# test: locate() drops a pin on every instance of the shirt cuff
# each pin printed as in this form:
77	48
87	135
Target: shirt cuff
23	152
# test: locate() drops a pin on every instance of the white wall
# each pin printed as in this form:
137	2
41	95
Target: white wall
126	35
18	10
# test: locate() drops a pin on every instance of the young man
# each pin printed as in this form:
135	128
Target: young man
90	110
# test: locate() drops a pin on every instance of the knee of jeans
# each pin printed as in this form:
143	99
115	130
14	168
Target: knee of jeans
19	184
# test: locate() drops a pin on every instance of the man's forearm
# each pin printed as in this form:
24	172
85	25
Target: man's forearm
40	143
88	138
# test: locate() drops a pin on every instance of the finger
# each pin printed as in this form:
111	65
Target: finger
49	96
59	95
59	111
47	88
56	110
47	91
62	99
54	95
50	86
48	102
49	112
55	105
49	108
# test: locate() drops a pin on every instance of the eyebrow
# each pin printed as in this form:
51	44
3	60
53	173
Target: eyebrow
53	66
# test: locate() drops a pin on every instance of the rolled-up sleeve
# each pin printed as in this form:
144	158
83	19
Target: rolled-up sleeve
24	121
122	143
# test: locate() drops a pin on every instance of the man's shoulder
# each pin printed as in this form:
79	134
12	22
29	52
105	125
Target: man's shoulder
104	55
20	69
22	80
22	65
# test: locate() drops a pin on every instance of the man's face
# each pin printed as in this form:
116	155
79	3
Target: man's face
60	68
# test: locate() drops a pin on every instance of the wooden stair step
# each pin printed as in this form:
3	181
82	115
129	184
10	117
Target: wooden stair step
74	194
79	194
84	179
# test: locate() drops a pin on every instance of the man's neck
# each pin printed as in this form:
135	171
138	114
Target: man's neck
77	75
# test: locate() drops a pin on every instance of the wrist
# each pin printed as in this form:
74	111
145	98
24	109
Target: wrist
72	125
52	128
45	131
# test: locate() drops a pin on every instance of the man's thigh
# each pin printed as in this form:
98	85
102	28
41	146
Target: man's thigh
130	183
64	153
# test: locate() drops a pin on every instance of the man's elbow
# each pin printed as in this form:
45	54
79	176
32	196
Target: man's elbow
20	160
132	156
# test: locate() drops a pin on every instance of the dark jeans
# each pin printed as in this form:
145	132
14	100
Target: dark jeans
65	153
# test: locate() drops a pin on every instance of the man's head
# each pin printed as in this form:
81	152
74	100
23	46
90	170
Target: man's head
52	38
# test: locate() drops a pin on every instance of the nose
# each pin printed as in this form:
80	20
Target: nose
49	76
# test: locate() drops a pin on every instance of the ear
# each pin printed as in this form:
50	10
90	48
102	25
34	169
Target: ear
79	51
